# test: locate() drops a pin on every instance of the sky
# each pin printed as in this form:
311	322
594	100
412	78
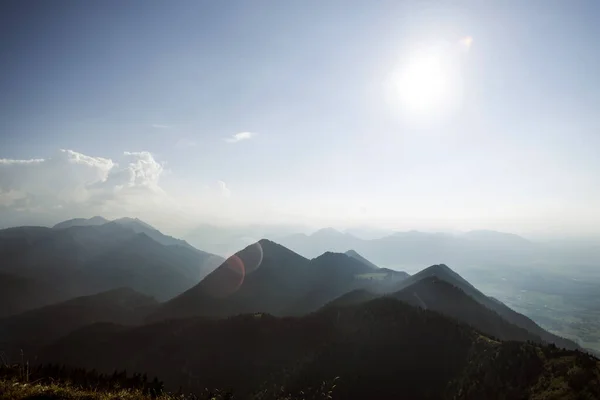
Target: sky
391	114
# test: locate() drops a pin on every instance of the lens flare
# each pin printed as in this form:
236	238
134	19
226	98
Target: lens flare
227	279
466	43
252	257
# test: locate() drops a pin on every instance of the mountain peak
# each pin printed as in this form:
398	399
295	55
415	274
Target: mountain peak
330	254
354	254
437	268
129	220
94	221
269	245
98	219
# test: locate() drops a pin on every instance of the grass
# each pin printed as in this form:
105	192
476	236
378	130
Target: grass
12	390
16	389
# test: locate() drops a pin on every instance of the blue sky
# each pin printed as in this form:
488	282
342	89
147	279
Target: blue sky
170	82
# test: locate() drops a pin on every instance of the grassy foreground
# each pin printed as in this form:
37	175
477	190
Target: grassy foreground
10	390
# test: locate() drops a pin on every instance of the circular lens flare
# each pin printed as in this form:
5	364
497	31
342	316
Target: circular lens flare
252	257
225	280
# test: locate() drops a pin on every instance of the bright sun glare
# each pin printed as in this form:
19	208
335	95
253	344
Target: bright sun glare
423	84
428	82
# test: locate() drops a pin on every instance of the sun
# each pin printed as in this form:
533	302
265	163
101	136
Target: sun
423	84
426	84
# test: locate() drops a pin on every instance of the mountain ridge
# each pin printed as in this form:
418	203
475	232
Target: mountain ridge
441	357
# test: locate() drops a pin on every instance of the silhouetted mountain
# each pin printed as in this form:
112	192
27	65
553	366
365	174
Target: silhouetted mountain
94	221
441	289
329	276
352	298
321	241
82	260
267	277
263	277
381	349
29	330
358	257
18	294
442	272
149	267
437	294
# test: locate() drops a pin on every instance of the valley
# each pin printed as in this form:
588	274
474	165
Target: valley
565	301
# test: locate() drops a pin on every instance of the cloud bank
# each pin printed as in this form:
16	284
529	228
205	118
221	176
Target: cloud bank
80	183
70	184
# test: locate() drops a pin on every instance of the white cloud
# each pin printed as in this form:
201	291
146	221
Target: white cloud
240	136
161	126
70	184
79	183
223	189
4	161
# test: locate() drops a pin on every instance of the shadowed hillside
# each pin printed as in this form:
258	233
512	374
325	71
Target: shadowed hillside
51	265
29	330
444	273
367	346
267	277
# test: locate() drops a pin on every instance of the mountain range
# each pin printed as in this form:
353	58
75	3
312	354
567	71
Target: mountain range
414	248
368	346
267	277
41	266
104	295
30	330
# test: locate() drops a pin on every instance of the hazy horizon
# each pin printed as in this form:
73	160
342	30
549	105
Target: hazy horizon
252	232
391	116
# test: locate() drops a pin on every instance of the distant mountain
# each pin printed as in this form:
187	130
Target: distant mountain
498	238
321	241
225	240
267	277
360	258
139	226
368	233
29	330
414	248
94	221
381	349
80	260
149	267
135	224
